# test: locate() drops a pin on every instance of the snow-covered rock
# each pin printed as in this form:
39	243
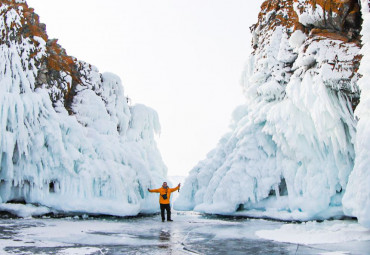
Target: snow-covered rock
68	138
290	149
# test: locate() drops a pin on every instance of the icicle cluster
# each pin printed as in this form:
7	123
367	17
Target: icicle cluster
290	150
68	138
357	198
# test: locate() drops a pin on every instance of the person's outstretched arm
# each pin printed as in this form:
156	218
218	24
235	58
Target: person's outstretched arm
154	190
174	189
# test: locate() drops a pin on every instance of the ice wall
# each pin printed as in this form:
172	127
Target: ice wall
356	201
68	138
290	150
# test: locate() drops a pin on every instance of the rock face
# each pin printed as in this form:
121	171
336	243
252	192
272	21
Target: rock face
291	148
338	15
66	129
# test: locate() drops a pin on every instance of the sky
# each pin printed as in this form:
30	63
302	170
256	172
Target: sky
183	58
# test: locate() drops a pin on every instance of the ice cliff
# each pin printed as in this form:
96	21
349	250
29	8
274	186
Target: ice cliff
291	150
68	139
356	200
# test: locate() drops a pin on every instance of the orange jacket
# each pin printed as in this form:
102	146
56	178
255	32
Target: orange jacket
163	191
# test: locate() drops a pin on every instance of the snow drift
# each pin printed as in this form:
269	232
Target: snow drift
68	138
290	150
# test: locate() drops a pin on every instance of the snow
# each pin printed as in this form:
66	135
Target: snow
297	39
25	211
104	155
317	233
356	201
290	149
312	15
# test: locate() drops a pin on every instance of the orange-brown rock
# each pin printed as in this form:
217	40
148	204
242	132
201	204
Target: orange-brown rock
280	13
53	63
343	16
337	14
328	34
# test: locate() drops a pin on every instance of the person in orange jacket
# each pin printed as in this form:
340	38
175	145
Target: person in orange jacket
164	199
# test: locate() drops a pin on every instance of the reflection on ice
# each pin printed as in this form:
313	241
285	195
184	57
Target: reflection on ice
164	238
190	233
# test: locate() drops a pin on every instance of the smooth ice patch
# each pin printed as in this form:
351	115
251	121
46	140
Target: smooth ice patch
310	233
335	253
82	233
80	251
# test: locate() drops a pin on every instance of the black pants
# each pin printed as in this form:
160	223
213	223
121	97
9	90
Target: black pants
166	207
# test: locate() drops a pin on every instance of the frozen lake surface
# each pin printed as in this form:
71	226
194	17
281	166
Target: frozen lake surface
190	233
